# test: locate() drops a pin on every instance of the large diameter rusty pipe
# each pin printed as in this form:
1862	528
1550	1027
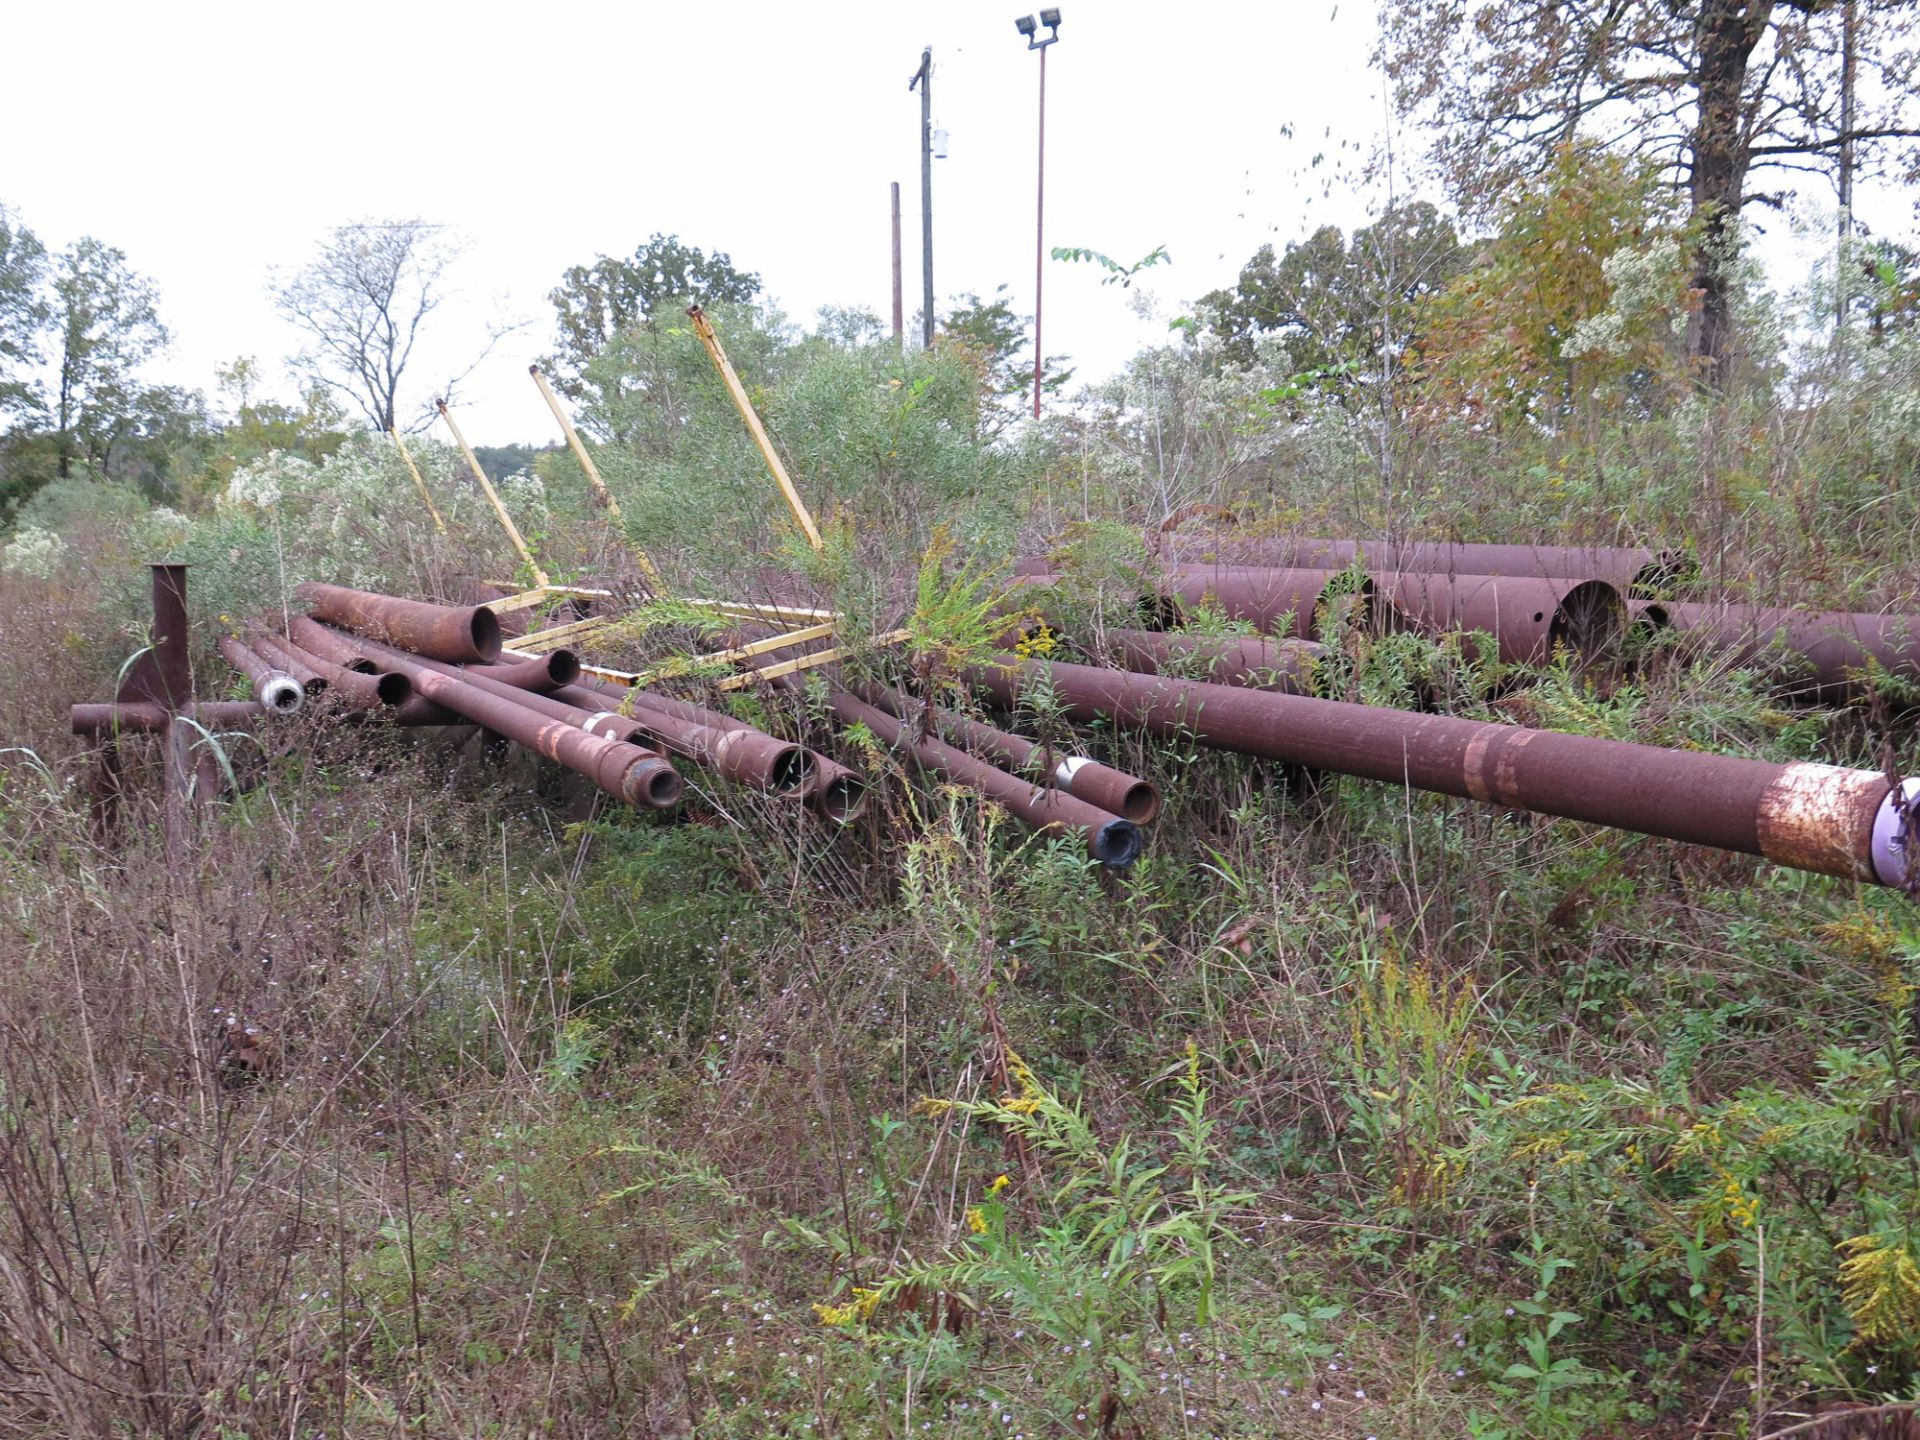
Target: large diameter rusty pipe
440	632
1114	842
744	755
273	687
1114	791
1827	655
1281	602
624	771
149	716
1820	818
1624	567
354	689
1531	618
1253	660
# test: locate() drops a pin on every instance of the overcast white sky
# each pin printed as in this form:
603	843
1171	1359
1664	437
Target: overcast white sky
214	141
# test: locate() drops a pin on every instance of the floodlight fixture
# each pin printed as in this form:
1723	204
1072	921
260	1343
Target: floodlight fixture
1027	27
1024	25
1050	19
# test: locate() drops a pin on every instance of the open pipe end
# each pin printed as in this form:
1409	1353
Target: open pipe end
485	632
1117	844
840	798
281	694
563	667
393	688
790	769
655	784
1591	621
1140	804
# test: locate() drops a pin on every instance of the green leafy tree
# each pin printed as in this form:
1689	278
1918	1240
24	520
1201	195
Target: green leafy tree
1341	305
1532	328
23	312
991	338
1711	92
595	303
107	324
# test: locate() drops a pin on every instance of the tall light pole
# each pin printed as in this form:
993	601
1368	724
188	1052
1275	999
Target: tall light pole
1025	25
923	80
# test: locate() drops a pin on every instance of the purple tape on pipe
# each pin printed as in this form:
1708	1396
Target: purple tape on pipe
1896	835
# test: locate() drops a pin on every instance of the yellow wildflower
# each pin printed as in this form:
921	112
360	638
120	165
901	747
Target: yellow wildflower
976	1220
1000	1183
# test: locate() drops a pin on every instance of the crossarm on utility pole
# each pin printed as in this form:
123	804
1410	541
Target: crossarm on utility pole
486	486
704	329
419	483
641	558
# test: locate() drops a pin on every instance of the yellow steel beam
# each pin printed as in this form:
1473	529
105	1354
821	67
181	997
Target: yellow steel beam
704	329
486	485
419	483
803	662
641	558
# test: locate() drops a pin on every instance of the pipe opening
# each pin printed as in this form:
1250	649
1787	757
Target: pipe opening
282	694
363	666
563	667
1140	804
841	799
662	786
792	767
484	630
1117	844
393	688
1590	620
315	687
1160	611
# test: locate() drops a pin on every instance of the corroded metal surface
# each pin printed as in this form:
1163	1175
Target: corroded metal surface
440	632
1814	817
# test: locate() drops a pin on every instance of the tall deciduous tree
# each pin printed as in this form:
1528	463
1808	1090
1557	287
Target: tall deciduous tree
1717	91
594	303
362	302
106	322
23	312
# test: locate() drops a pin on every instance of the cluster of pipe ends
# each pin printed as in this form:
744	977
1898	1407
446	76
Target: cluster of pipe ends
418	664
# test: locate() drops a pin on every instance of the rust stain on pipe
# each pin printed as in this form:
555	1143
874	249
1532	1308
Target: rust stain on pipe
1252	660
1823	655
543	673
439	632
354	689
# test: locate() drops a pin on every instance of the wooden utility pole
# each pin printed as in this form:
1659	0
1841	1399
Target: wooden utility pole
899	301
923	78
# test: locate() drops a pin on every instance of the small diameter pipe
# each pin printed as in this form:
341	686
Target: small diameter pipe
1819	818
624	771
330	645
543	673
273	687
439	632
147	716
311	680
1114	842
831	790
745	756
1100	785
354	689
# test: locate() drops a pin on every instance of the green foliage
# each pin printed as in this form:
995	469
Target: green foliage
600	303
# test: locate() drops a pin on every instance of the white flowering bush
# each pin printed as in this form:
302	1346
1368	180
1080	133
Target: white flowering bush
33	551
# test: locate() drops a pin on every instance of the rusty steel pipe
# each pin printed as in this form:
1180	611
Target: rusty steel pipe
744	755
440	632
1820	818
1823	655
1114	791
273	686
1529	617
1114	842
1282	602
1224	659
830	789
542	673
1624	567
330	645
262	644
149	716
660	784
624	771
354	689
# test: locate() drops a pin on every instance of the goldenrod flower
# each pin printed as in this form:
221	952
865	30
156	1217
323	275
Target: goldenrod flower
998	1185
976	1220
